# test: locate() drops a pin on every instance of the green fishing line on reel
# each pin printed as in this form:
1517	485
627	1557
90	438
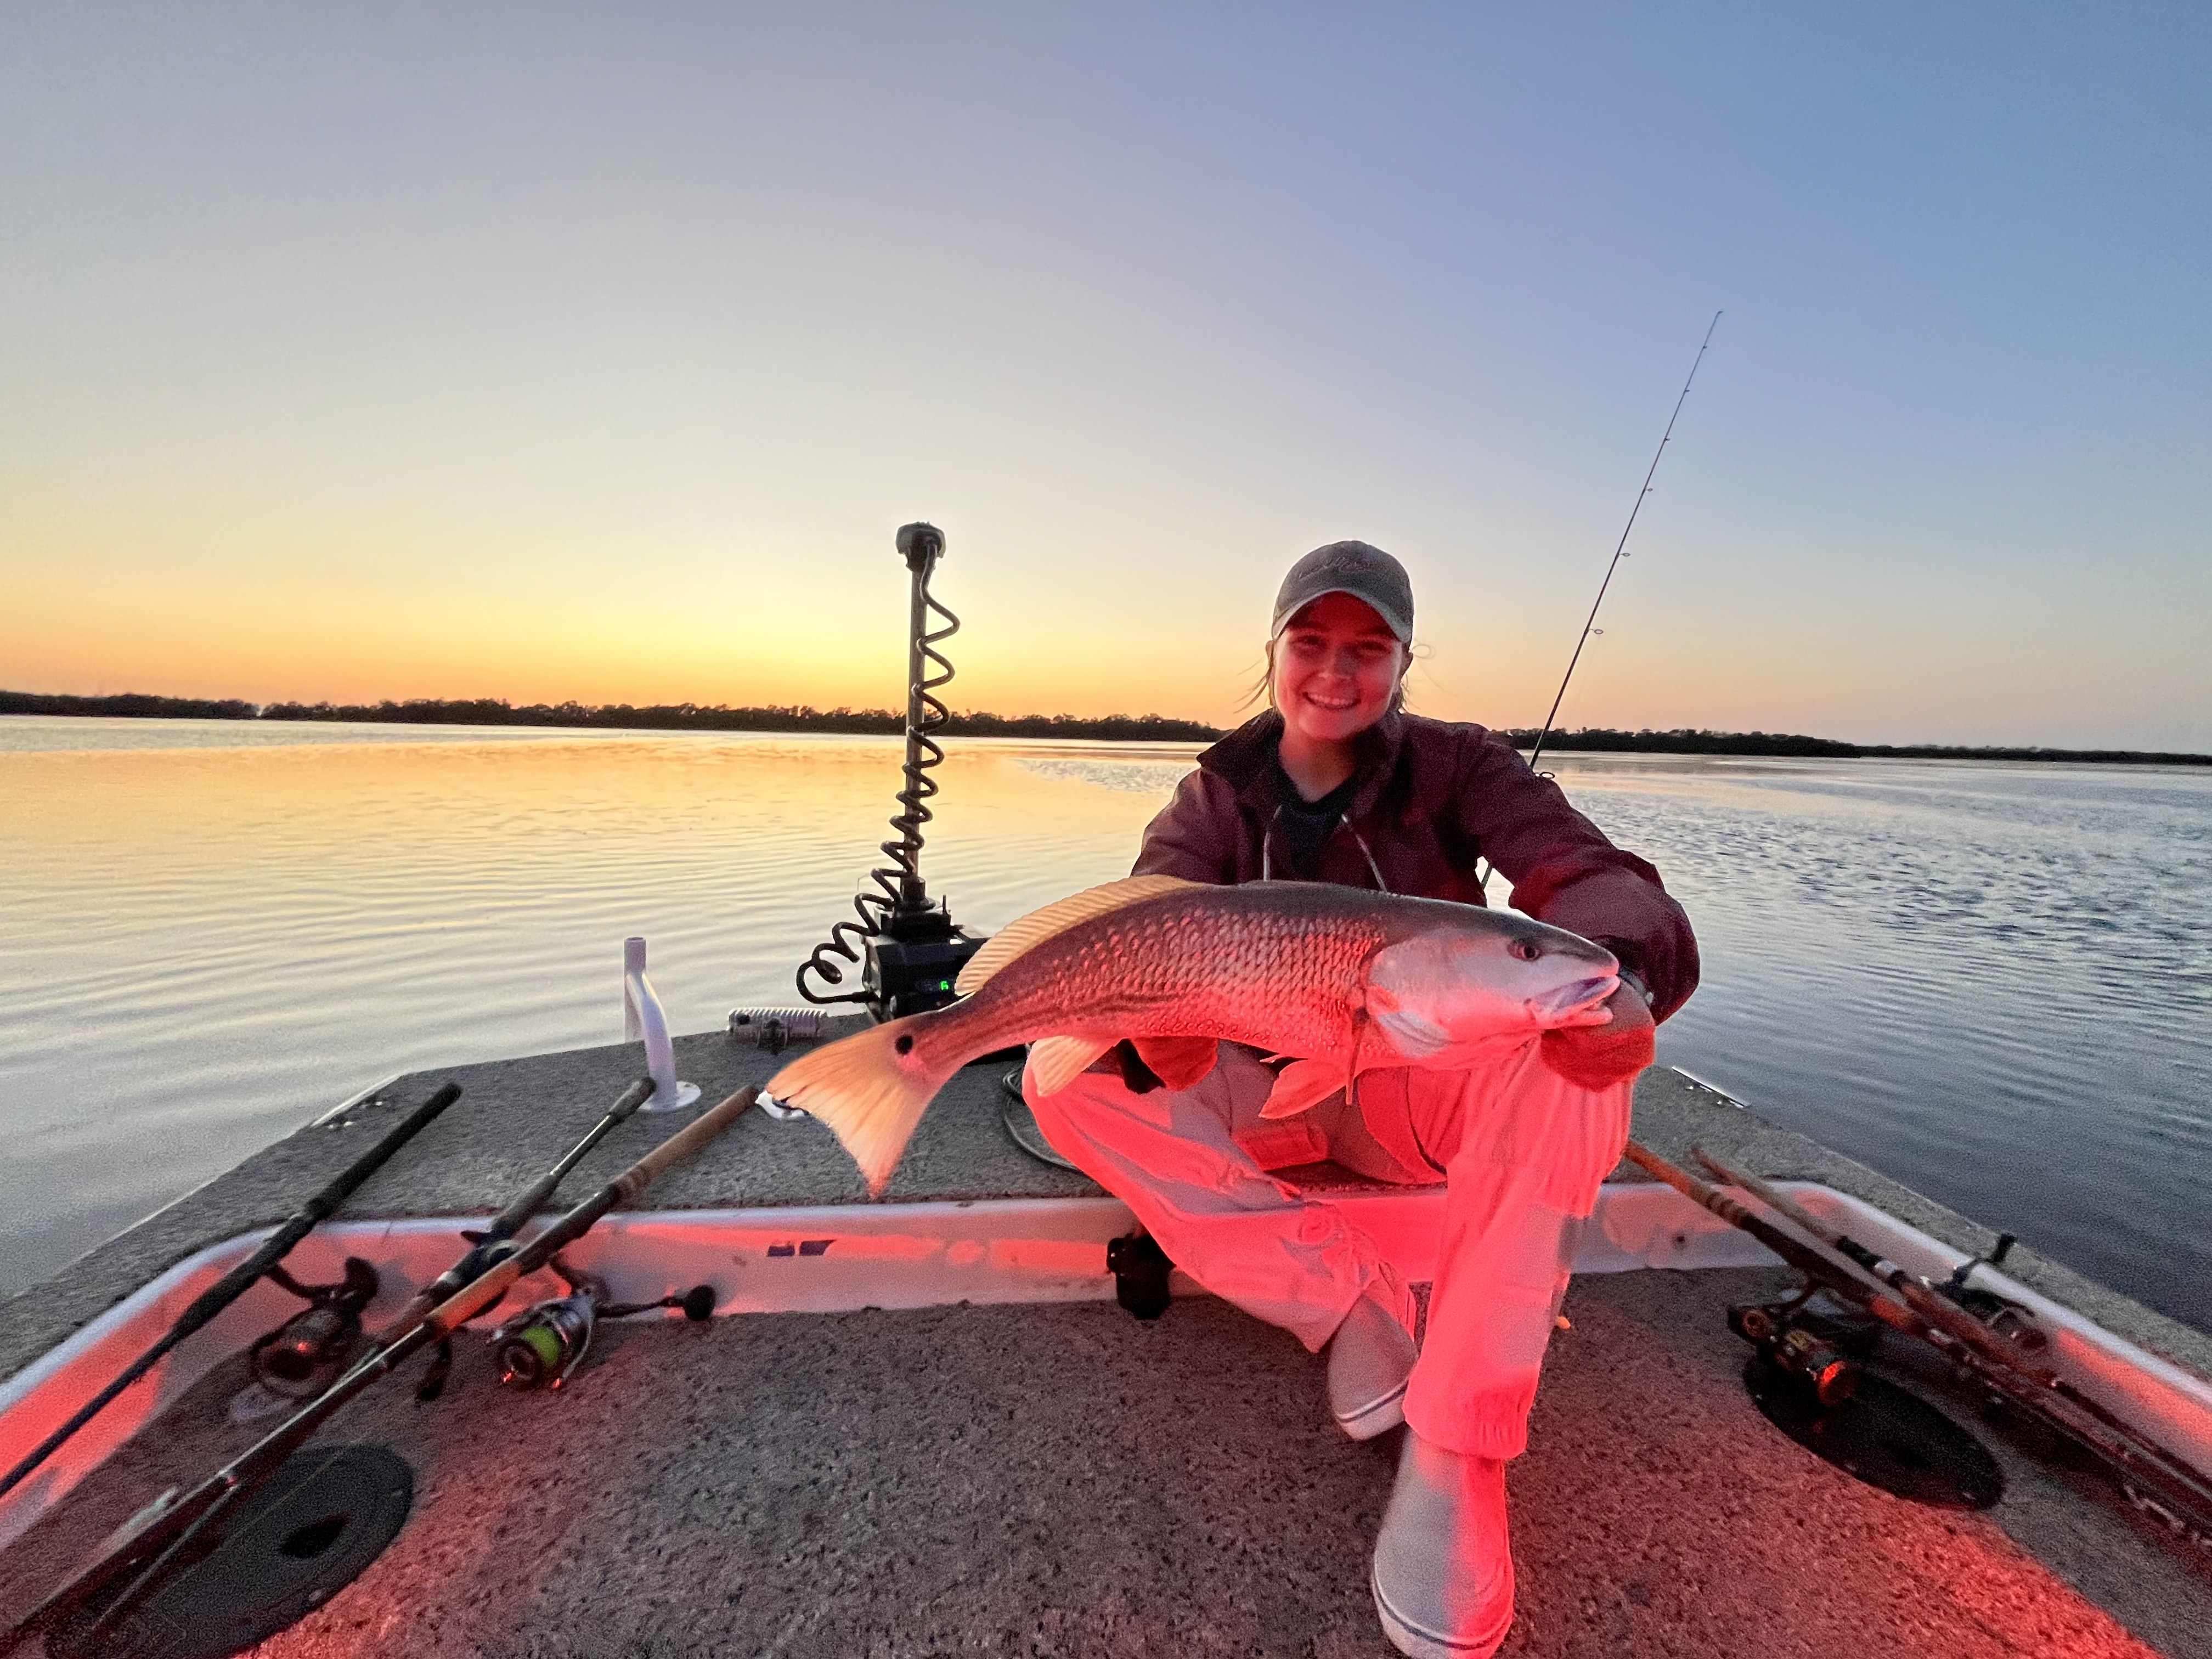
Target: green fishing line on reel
542	1347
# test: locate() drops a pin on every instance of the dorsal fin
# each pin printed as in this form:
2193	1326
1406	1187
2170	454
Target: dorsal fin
1033	929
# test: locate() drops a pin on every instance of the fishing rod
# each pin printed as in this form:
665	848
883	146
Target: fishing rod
2154	1479
1620	552
495	1241
242	1277
176	1533
542	1345
496	1237
1915	1293
305	1355
1620	548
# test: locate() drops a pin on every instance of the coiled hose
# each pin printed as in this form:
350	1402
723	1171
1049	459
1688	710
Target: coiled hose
901	895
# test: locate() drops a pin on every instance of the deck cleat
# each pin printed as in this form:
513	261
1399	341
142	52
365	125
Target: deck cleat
1140	1269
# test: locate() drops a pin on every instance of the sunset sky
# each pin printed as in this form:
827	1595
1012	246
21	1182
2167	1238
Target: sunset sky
552	351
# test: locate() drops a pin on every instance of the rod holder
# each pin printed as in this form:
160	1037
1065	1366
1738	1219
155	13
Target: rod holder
643	1018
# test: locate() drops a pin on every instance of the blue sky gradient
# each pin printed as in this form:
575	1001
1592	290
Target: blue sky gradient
556	351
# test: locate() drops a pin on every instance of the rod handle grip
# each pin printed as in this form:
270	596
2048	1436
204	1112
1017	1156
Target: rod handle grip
472	1299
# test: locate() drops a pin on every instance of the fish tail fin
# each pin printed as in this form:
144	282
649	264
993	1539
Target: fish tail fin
870	1088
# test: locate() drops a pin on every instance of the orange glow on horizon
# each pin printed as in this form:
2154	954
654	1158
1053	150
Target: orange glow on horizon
117	605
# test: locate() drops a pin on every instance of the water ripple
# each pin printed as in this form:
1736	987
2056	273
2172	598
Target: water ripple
1992	982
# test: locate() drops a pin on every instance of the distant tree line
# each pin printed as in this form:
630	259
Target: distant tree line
1604	739
129	705
794	717
1684	741
1112	728
659	717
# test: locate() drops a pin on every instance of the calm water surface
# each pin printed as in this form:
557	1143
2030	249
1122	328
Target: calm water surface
1993	983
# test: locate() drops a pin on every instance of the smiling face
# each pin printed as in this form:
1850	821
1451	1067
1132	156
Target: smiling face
1336	668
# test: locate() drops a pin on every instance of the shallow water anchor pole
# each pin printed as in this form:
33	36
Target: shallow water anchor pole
908	951
644	1017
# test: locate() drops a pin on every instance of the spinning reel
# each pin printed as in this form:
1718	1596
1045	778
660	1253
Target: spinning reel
1807	1375
304	1355
1815	1341
540	1346
2006	1317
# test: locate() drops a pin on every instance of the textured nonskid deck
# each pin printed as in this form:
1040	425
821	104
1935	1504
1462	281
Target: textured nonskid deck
1066	1480
1047	1480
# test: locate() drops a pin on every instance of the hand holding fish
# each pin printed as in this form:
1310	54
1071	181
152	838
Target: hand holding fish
1340	981
1599	1056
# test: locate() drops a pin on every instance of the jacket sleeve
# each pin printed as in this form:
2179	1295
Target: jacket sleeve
1194	834
1564	871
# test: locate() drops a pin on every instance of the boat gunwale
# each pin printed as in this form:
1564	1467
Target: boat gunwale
1636	1225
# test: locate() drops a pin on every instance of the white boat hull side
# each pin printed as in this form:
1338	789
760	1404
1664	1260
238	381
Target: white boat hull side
840	1258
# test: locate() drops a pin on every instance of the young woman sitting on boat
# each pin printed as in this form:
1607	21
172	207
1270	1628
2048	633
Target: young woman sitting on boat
1336	783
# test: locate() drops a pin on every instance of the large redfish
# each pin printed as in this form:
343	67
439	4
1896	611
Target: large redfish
1345	981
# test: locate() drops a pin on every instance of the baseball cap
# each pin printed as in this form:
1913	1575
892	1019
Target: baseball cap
1366	573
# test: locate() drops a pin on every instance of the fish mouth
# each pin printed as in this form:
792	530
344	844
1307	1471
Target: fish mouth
1582	996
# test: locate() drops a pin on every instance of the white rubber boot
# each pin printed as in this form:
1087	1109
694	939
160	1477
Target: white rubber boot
1442	1576
1370	1360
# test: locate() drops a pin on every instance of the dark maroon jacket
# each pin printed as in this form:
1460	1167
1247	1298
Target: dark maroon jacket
1433	797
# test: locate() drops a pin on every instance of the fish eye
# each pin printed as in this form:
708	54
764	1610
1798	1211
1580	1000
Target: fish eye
1525	950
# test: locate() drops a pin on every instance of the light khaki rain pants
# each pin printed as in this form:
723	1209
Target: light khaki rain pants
1523	1151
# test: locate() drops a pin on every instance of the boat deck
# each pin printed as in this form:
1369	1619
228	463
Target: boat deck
1064	1480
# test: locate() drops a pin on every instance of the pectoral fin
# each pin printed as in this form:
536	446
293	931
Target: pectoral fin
1301	1084
1055	1062
1180	1062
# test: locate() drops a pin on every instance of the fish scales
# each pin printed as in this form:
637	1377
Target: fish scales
1333	978
1265	973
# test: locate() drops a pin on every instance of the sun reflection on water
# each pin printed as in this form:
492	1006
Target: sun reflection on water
1992	982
